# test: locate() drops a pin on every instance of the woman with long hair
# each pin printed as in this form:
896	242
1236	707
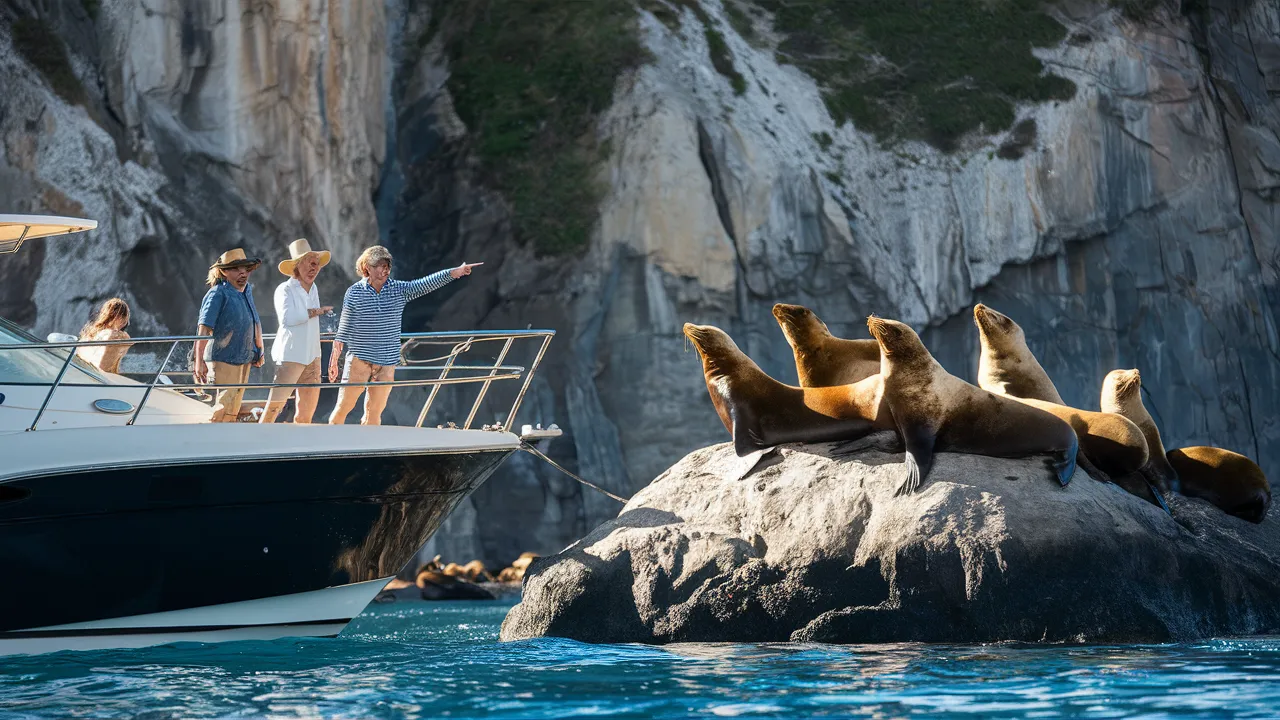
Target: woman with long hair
109	324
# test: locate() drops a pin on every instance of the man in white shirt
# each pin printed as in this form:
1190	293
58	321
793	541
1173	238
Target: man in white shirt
296	350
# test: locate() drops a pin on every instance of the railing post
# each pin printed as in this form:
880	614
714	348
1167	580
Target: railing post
475	407
70	354
431	397
511	416
152	386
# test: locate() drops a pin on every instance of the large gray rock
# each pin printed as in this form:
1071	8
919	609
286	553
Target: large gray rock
813	546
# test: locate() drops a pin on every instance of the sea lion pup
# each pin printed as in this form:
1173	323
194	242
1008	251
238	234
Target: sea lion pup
822	359
1110	445
1006	365
1122	395
760	412
1229	480
936	411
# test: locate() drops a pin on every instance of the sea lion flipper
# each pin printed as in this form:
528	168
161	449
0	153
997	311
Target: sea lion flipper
1065	468
746	439
1159	496
1167	482
919	458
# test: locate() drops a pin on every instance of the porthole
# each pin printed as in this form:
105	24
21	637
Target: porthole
111	406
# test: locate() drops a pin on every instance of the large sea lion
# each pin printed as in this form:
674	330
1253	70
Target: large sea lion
936	411
1110	445
760	412
1007	365
1122	395
822	359
1229	480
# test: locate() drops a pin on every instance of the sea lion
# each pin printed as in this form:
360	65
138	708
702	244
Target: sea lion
1007	365
1229	480
822	359
760	412
1110	445
1122	395
936	411
475	572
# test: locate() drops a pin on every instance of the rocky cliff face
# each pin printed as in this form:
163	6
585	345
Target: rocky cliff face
185	129
1137	227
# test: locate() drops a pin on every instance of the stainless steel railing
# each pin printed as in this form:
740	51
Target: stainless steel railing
459	342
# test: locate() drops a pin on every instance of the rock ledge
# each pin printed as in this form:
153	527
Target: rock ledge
811	545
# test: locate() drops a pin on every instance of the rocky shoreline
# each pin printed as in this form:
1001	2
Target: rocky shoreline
809	543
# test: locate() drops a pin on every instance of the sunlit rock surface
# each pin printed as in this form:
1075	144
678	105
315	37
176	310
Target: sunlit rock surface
813	546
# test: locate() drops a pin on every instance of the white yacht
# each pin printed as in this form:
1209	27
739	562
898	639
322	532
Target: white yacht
127	519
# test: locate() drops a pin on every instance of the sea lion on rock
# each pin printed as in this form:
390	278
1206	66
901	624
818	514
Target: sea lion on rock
760	412
936	411
822	359
1110	445
1122	395
1226	479
1007	365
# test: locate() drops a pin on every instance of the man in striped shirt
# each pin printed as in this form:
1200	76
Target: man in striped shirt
369	330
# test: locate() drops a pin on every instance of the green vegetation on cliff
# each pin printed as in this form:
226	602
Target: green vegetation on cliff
529	78
41	46
930	70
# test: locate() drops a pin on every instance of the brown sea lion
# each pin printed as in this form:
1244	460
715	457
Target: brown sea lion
936	411
760	412
475	572
1111	446
1229	480
1122	395
822	359
1007	365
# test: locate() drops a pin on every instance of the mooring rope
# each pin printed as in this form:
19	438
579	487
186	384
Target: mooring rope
534	451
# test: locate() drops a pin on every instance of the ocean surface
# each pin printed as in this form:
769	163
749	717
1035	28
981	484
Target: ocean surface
425	660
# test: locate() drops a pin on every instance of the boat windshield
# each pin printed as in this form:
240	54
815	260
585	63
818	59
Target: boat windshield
37	366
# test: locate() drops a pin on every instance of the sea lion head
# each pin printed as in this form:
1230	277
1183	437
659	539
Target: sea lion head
718	351
802	328
999	332
899	344
1122	387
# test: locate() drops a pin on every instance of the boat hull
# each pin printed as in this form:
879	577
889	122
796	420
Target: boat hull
130	542
319	613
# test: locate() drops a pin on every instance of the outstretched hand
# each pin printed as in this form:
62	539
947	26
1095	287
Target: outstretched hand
463	269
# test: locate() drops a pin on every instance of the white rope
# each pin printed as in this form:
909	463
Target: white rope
534	451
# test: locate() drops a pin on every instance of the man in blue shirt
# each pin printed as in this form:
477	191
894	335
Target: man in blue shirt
369	330
228	315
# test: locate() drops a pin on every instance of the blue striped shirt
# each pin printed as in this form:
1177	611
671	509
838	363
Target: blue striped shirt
370	324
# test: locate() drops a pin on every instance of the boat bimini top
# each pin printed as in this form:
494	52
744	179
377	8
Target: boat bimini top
16	229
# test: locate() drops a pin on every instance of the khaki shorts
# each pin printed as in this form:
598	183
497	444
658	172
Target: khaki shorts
359	371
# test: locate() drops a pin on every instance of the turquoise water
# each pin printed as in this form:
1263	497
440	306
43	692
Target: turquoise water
443	660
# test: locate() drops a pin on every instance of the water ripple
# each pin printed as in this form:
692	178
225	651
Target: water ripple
443	660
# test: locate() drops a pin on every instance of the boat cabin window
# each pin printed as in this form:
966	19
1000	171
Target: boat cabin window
37	366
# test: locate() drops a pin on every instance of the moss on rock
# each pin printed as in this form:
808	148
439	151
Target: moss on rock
40	45
931	70
529	78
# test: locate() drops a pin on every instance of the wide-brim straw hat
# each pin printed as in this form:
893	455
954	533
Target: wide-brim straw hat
299	249
235	258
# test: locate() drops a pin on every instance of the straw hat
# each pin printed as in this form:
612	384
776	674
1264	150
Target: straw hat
299	249
235	258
